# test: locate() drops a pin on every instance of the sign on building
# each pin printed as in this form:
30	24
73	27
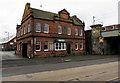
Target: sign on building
118	33
101	40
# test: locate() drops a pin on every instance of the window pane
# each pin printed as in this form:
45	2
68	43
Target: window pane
45	45
56	45
76	46
68	31
62	45
37	45
46	28
59	29
24	29
59	45
29	27
81	32
38	27
76	31
81	46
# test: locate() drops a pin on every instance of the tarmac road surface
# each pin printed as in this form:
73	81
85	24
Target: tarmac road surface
96	72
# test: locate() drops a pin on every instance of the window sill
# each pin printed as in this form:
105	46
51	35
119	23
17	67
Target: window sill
60	50
81	49
38	31
46	32
76	49
68	34
38	50
76	35
59	33
46	50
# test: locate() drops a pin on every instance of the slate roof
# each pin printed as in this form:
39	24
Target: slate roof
50	16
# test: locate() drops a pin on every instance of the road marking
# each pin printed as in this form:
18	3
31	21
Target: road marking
113	79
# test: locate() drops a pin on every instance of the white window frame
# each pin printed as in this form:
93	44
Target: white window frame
68	30
76	31
39	45
51	46
81	43
47	46
62	45
59	29
81	32
46	26
76	44
38	23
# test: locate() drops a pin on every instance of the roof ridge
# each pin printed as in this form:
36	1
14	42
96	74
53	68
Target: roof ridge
43	10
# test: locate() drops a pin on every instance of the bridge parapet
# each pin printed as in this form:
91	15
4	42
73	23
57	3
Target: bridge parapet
112	33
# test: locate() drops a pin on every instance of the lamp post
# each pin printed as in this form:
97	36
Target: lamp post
8	35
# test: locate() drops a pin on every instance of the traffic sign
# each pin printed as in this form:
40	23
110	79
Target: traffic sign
101	40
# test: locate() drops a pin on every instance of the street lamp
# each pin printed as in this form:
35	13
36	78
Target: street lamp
8	35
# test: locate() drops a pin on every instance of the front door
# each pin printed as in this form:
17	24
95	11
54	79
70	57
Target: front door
24	50
69	48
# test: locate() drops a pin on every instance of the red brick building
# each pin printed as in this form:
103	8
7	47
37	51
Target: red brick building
45	33
8	45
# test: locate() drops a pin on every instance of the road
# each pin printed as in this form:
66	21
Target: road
97	70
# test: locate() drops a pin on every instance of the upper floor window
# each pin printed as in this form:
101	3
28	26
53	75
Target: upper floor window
38	45
18	33
68	31
38	27
24	29
45	46
59	29
28	27
21	31
46	28
81	32
81	46
76	31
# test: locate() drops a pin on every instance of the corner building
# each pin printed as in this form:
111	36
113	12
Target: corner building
44	33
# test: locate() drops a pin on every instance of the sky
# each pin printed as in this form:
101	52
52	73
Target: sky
105	11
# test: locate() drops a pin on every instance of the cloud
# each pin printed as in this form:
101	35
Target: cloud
104	10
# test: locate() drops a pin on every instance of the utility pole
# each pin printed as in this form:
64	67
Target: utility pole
93	20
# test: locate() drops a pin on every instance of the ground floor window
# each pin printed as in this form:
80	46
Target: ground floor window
60	46
38	46
51	46
45	46
81	46
76	46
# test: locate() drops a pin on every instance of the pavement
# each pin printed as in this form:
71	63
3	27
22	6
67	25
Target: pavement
26	69
97	72
9	59
9	55
16	65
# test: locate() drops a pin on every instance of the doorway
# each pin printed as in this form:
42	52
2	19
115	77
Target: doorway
69	48
24	50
